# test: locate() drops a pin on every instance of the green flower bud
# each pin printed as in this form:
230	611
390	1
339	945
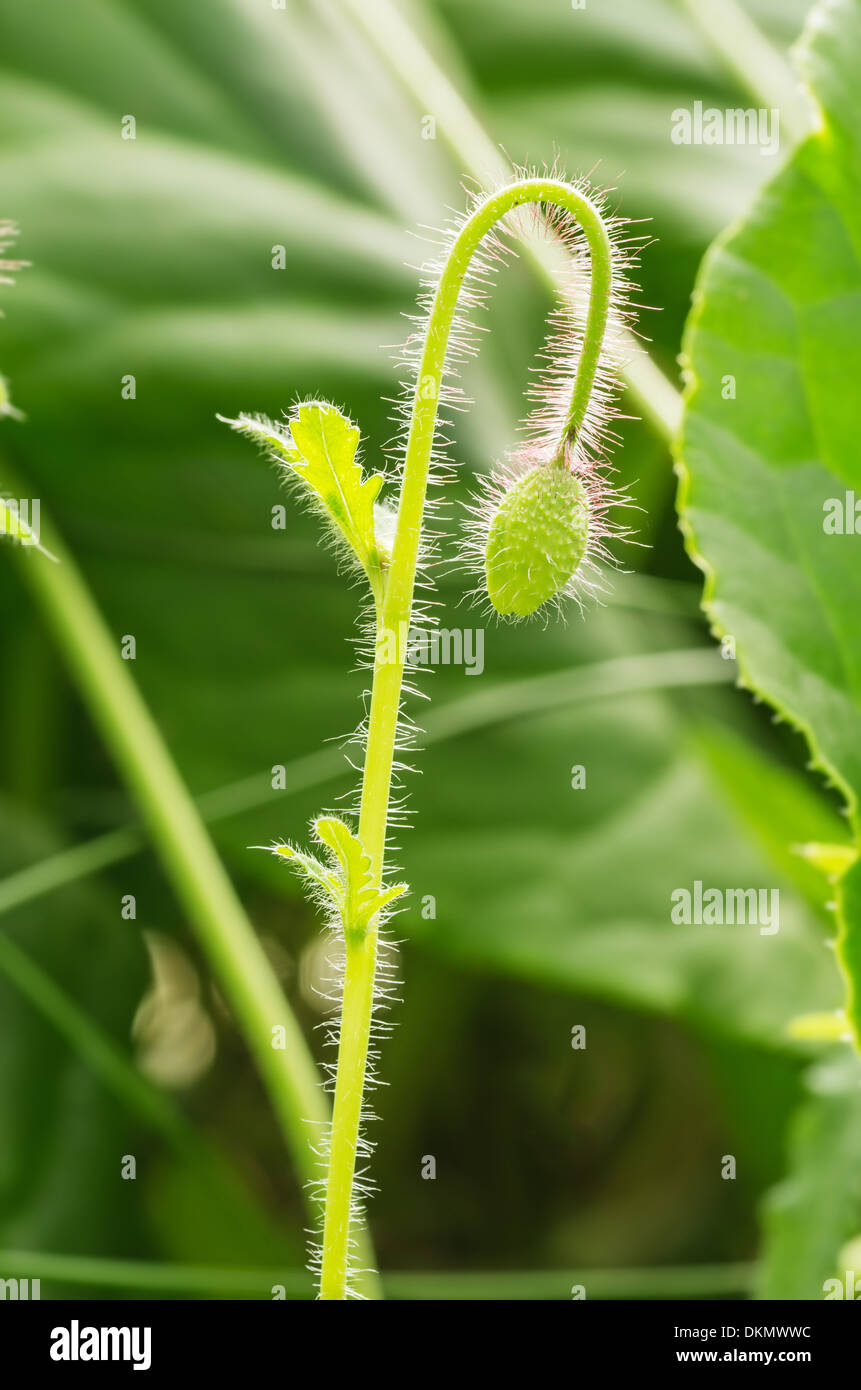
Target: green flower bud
537	539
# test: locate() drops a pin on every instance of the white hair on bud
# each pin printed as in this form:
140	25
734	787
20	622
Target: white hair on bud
588	456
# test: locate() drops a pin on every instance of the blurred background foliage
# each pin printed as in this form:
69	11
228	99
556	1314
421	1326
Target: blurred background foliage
258	127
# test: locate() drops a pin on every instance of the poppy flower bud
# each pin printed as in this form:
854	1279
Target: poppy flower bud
536	539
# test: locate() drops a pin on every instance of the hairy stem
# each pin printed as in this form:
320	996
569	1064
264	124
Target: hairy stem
359	973
393	619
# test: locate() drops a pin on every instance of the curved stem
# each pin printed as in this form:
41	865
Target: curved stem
393	619
429	83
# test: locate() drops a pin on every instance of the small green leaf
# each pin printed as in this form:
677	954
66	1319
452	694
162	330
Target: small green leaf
312	870
362	899
349	883
345	846
11	524
388	895
320	449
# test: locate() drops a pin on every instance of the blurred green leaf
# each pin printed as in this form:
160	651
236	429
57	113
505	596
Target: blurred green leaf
781	807
65	1133
817	1208
579	892
600	85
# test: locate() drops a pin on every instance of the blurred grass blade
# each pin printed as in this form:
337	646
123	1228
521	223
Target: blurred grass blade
94	1046
686	1281
230	1198
753	60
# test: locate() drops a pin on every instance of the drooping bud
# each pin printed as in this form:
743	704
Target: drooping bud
537	539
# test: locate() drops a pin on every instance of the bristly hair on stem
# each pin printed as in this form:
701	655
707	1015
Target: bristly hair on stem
539	532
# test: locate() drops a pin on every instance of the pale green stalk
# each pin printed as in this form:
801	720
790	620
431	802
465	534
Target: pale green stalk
393	617
188	854
758	65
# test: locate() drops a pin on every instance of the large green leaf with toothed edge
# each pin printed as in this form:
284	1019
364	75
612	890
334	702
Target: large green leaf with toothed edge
769	452
816	1210
771	475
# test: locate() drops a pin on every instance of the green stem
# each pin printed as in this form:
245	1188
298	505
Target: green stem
357	1007
393	619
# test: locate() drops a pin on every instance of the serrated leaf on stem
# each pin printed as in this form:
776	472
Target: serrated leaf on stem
319	447
349	884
